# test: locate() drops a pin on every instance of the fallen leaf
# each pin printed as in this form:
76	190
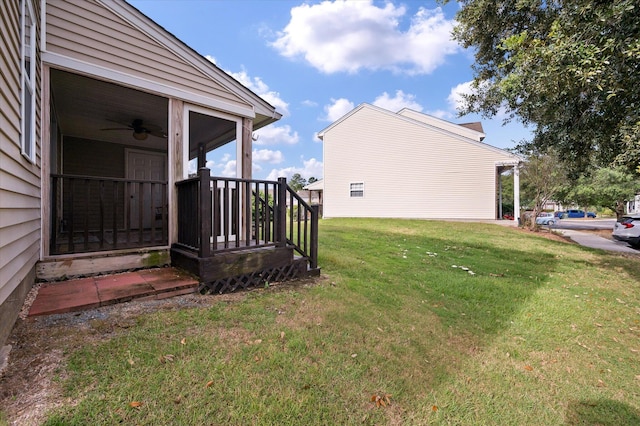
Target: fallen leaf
381	400
131	362
434	408
210	383
601	384
354	355
183	341
135	404
528	368
167	358
282	335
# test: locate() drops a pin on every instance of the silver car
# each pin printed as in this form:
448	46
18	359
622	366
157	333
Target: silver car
546	219
628	229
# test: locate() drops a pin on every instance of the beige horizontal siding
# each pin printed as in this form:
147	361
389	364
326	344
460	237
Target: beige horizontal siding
86	31
408	170
19	178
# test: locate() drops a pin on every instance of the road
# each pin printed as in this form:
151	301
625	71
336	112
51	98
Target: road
572	227
585	224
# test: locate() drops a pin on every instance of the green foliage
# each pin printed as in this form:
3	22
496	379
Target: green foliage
543	179
606	187
297	182
569	68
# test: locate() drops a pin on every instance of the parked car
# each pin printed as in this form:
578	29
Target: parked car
559	214
627	229
573	213
546	219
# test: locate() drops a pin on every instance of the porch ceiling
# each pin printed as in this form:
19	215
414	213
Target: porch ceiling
85	107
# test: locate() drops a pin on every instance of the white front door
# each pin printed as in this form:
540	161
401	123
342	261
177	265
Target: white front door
146	199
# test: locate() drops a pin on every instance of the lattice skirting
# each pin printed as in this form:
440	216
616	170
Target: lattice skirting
297	269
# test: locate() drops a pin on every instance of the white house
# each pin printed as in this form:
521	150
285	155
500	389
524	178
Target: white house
101	112
378	163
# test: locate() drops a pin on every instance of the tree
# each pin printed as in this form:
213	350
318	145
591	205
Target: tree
569	68
606	187
312	179
297	182
542	177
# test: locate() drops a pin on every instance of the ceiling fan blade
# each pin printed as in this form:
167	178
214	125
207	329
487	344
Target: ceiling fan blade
117	128
157	133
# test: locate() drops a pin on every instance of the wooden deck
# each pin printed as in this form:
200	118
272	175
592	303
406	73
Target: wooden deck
263	231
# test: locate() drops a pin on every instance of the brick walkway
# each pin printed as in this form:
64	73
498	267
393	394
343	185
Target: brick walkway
87	293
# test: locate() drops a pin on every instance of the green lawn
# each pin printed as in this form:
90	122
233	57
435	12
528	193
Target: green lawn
535	332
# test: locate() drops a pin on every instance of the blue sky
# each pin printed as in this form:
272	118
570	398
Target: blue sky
317	60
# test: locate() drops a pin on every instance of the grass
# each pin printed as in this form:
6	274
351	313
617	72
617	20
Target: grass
543	332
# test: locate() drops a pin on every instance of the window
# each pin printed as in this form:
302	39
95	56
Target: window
28	43
356	190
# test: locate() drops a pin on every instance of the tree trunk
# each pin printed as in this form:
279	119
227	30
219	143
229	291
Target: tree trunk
619	209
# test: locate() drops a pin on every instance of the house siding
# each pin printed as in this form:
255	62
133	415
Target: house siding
433	121
19	178
409	170
87	31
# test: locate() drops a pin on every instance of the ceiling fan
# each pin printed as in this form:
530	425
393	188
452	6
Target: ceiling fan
142	131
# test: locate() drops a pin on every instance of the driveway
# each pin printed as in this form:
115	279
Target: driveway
578	231
589	239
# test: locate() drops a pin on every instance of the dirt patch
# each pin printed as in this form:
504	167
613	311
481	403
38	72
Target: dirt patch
30	386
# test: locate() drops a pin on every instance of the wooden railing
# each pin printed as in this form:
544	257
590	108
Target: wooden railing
218	214
302	229
100	213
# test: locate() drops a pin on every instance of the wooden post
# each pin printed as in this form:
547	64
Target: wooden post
202	157
176	141
204	212
281	221
313	249
246	173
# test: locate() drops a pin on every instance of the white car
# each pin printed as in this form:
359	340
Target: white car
628	229
546	218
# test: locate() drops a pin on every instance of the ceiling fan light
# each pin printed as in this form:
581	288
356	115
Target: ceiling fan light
140	135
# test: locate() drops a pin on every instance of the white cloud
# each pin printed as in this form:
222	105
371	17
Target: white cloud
456	101
309	103
229	169
260	88
455	98
346	36
399	101
310	168
273	135
267	156
439	113
337	109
